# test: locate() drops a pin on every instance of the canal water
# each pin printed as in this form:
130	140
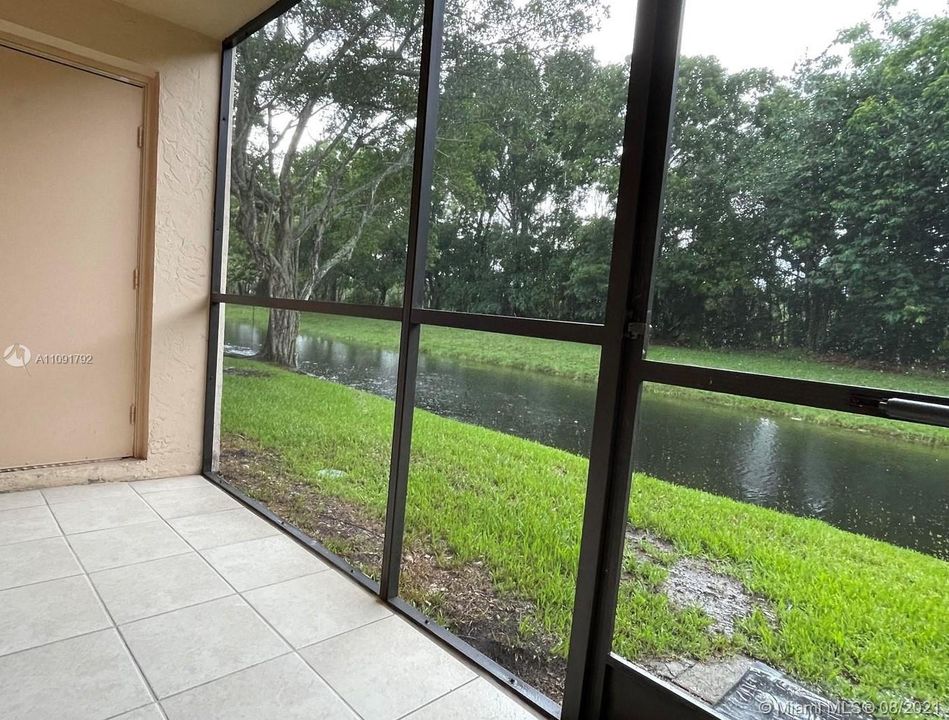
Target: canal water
885	488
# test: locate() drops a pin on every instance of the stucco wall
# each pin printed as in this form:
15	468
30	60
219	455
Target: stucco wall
188	67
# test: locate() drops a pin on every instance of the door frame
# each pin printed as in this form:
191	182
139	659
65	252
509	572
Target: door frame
45	47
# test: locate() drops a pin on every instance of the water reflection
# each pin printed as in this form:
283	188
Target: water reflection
891	490
756	459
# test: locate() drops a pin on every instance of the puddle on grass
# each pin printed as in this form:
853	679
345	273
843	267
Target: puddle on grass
692	582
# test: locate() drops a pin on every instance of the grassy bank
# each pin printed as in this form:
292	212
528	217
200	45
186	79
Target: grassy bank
858	617
580	362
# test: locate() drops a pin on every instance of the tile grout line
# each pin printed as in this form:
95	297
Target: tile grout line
165	490
332	689
155	704
237	507
49	579
183	607
56	642
274	530
110	527
279	533
373	622
215	547
232	592
188	552
282	532
298	653
440	697
144	498
464	661
138	562
82	571
128	650
45	580
24	507
116	496
46	506
23	542
188	515
292	650
257	664
341	633
202	483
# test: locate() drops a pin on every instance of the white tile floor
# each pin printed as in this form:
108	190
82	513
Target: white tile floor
168	599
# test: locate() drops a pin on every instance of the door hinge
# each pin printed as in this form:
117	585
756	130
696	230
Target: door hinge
135	279
141	136
132	414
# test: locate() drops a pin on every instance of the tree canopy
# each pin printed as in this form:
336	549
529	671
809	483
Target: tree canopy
806	212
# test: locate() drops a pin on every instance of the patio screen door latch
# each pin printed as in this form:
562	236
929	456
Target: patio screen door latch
132	414
140	138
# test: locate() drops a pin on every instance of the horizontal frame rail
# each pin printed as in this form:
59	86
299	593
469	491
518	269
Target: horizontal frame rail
373	312
588	333
855	399
797	391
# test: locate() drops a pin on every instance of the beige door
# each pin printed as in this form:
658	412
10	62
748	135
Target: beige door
70	207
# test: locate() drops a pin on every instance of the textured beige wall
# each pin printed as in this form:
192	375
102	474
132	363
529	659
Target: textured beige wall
187	64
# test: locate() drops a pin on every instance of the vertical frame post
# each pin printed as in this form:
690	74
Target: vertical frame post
212	393
635	239
415	260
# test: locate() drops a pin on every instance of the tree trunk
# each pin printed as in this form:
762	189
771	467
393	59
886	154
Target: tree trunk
280	345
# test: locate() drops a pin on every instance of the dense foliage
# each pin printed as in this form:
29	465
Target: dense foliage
806	212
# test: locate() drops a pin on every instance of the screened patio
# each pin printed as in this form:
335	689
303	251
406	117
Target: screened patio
483	360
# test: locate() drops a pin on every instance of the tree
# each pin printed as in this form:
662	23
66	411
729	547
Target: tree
809	212
894	194
714	271
322	119
806	212
853	173
519	168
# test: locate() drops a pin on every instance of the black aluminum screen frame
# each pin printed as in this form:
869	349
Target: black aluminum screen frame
599	683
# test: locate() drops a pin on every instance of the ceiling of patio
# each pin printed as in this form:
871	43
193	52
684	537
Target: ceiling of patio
215	18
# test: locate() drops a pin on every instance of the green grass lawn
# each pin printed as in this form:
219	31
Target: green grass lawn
580	362
860	618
